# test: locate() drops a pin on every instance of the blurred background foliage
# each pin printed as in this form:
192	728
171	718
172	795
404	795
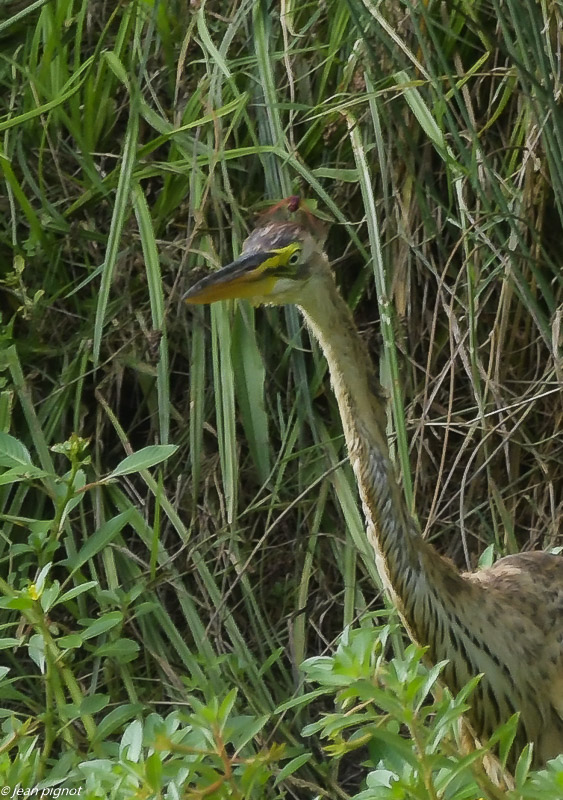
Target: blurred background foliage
138	141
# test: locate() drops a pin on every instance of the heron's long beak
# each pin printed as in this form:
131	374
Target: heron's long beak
249	276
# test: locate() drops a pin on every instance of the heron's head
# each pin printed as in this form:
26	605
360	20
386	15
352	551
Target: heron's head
278	263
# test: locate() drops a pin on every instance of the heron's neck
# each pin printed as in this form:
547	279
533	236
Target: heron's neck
412	570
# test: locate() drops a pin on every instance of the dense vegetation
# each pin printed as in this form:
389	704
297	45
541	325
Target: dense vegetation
172	621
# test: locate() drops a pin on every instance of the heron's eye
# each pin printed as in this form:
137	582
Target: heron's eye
294	258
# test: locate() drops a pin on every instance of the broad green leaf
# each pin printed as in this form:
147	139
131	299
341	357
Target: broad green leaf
93	703
69	642
22	473
132	741
36	650
123	650
77	590
49	595
143	459
487	557
101	625
115	719
153	770
12	452
20	603
68	711
8	642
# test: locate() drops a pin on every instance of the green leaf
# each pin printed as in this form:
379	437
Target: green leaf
20	603
101	625
49	595
93	703
121	211
12	452
153	771
100	539
40	579
8	641
422	112
215	54
116	718
523	766
36	649
68	711
250	375
69	642
63	486
380	777
123	650
147	457
244	729
131	741
344	175
487	557
292	767
77	590
157	304
116	67
304	699
21	473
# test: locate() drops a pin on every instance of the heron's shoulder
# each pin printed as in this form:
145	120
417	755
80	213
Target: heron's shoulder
530	582
536	565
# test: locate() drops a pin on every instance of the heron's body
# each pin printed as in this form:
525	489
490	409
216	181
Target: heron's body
506	621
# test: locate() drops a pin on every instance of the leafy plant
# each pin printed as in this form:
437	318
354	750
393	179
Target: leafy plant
137	139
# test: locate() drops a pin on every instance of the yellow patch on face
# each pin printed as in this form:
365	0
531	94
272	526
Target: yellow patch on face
285	253
280	259
268	263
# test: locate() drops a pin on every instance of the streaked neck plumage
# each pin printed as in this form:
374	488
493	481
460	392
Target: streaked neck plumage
413	572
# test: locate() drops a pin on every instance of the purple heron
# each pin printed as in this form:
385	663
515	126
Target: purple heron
505	621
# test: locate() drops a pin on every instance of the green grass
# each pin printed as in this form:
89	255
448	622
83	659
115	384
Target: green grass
154	623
